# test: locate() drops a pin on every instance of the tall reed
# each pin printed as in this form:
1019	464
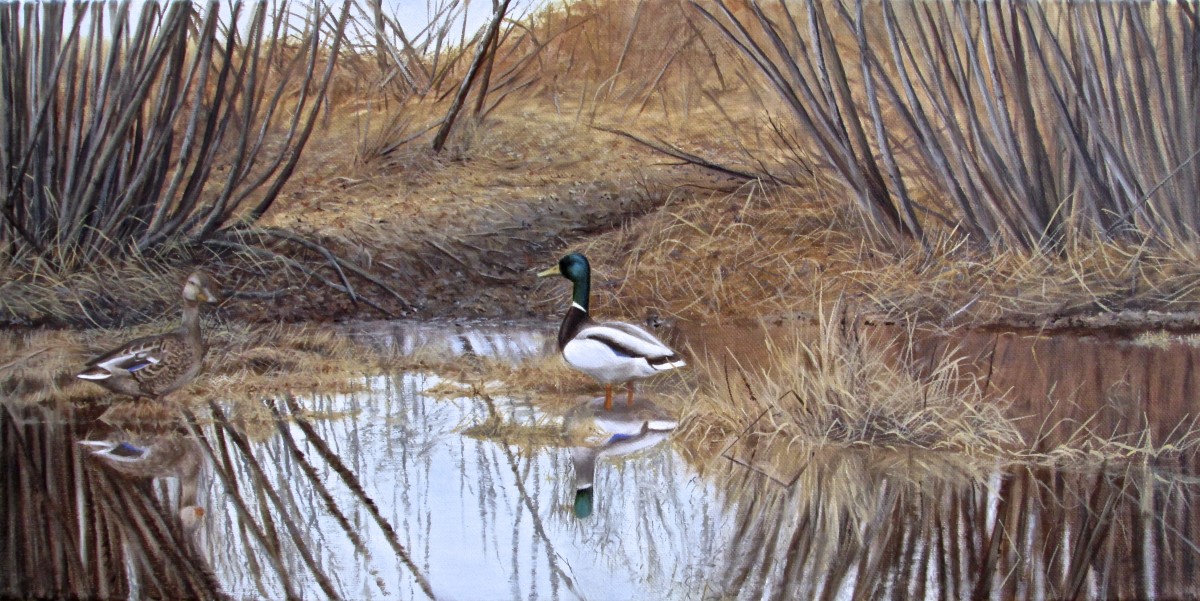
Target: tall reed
1017	123
122	132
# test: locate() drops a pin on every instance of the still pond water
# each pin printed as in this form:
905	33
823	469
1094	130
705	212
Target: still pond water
382	494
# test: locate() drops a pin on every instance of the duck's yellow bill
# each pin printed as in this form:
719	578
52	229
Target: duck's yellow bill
552	271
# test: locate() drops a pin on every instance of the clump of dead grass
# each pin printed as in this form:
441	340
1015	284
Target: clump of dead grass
547	377
842	389
543	431
531	436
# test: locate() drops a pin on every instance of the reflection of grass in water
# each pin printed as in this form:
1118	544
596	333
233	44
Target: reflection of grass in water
542	432
843	390
874	523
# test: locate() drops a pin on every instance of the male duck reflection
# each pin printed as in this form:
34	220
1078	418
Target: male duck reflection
599	432
155	366
158	456
612	352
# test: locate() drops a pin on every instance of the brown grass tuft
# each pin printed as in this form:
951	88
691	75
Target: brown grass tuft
843	390
547	378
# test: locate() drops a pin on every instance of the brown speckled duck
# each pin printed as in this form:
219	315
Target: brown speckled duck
154	366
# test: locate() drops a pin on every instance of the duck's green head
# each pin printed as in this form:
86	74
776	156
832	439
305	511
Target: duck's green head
574	267
583	503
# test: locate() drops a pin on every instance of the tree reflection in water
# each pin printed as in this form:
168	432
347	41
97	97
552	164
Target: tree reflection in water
379	494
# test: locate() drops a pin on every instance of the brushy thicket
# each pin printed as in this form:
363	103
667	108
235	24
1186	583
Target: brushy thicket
1015	124
124	132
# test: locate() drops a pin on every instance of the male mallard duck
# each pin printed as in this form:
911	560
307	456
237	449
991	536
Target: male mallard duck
597	433
612	352
154	366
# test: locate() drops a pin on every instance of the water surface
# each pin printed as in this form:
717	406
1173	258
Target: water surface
383	494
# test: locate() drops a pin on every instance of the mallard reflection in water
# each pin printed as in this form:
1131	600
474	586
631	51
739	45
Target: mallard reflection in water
595	431
165	455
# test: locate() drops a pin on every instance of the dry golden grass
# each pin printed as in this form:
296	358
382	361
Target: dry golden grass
1093	283
41	365
252	362
751	253
524	436
766	252
135	291
545	431
1083	444
843	390
548	380
244	365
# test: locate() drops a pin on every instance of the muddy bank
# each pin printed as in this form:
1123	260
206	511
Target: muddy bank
464	259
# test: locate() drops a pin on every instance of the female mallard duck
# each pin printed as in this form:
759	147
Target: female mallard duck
154	366
612	352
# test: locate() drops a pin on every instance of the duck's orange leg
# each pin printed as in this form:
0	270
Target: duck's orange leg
629	394
608	397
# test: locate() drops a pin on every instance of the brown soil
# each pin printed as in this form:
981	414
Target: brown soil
461	234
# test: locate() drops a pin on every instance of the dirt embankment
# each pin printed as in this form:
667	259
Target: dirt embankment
454	235
462	235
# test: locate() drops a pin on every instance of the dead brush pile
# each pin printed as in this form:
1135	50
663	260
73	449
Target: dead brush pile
842	389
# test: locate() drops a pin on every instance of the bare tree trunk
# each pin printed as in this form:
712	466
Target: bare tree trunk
381	45
487	76
481	54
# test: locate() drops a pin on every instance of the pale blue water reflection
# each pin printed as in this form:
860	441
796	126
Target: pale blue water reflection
480	519
384	494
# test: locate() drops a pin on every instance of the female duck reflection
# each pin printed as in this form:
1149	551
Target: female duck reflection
594	432
158	455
